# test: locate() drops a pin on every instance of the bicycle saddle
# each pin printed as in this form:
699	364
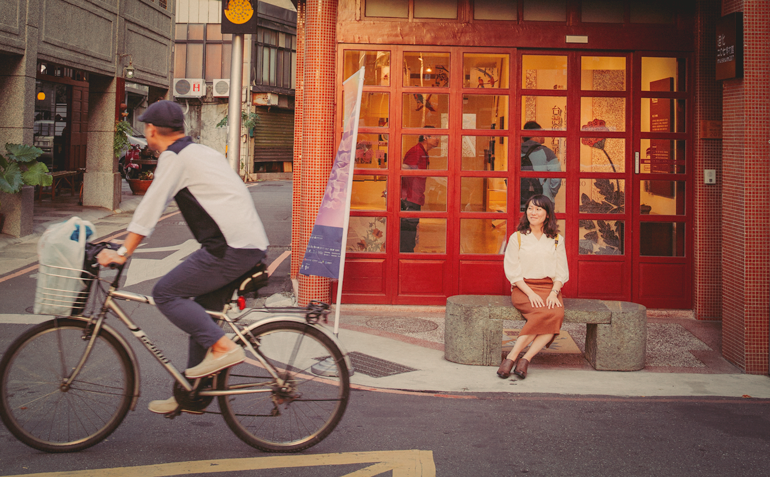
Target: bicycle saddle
253	280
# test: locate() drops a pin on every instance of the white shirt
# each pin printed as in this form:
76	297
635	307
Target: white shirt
537	259
214	201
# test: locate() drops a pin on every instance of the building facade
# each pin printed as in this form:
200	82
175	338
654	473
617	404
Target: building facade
203	56
625	96
63	85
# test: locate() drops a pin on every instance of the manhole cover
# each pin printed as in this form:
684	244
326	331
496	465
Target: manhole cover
402	325
376	367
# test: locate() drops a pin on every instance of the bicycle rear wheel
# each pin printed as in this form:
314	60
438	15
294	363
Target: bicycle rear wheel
303	411
33	403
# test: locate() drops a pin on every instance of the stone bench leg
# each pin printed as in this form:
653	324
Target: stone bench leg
621	345
471	337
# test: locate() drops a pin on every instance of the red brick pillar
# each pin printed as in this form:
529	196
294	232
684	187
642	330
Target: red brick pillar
318	145
745	210
297	245
707	273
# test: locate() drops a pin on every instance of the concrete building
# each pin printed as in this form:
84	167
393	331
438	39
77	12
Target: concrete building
203	57
62	79
660	128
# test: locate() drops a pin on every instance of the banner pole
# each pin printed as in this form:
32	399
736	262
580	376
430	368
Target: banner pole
346	220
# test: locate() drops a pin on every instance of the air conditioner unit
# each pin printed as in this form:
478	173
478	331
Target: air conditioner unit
221	88
189	87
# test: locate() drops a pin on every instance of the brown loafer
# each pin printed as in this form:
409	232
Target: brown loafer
521	368
505	368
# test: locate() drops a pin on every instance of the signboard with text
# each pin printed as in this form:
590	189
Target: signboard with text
729	46
239	16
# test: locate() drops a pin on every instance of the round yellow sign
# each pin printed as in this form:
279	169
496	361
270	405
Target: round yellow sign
239	11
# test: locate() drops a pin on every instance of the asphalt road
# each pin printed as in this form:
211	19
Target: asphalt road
382	432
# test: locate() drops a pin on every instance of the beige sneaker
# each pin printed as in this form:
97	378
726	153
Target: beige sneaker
167	406
211	365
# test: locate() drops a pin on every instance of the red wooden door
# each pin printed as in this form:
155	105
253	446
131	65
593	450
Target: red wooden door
663	198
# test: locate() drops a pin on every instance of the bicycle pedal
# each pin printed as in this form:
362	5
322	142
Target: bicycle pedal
173	414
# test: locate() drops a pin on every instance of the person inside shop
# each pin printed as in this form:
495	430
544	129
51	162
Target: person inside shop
536	265
413	188
207	191
535	156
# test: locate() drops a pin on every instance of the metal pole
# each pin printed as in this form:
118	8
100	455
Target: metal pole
234	105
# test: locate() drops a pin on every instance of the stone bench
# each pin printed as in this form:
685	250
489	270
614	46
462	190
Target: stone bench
616	331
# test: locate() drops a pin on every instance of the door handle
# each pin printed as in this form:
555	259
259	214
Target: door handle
636	162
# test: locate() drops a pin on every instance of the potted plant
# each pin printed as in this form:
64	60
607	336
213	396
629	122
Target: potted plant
138	180
19	171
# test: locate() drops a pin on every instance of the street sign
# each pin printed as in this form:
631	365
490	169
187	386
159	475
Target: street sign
239	16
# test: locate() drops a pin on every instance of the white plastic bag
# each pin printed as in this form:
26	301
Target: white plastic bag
61	252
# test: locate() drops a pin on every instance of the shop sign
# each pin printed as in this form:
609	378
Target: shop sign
239	16
730	47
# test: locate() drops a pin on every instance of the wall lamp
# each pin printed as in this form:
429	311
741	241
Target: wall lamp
128	71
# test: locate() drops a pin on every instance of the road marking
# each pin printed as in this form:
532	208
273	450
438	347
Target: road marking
277	262
142	269
408	463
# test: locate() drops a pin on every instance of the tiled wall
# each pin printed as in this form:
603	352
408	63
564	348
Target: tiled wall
297	245
318	144
707	274
745	199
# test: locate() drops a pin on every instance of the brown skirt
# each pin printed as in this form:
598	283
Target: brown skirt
541	320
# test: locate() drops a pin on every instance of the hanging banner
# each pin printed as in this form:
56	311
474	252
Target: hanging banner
325	253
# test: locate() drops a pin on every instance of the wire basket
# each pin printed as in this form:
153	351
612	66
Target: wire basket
62	291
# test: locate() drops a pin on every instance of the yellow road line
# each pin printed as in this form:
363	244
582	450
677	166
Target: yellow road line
408	463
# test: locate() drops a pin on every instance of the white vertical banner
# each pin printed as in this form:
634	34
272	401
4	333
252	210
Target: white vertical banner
325	253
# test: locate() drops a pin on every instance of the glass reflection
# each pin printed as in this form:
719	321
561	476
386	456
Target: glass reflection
421	193
662	156
425	151
484	153
374	110
482	236
661	239
536	156
607	114
481	70
377	64
372	151
483	194
601	154
602	237
602	196
425	110
426	69
543	72
662	198
485	112
663	74
367	234
663	115
369	192
426	235
548	111
532	185
603	73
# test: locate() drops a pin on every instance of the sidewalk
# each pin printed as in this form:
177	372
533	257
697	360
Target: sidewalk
400	348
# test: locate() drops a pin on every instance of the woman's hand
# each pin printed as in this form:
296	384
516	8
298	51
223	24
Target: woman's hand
535	300
552	300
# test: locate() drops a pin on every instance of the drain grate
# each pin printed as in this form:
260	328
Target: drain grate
376	367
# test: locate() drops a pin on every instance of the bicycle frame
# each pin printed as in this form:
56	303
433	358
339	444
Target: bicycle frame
111	305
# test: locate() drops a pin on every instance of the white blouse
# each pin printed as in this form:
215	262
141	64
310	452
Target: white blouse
536	259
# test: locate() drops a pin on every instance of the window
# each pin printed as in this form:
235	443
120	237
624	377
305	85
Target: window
274	55
442	9
202	51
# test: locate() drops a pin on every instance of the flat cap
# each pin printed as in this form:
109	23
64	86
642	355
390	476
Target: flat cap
165	114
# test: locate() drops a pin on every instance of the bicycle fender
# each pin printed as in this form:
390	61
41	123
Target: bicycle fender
319	326
137	379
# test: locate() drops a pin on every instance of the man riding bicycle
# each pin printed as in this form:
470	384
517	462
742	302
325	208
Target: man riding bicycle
221	215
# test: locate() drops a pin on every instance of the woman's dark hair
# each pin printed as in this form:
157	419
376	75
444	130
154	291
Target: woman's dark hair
550	227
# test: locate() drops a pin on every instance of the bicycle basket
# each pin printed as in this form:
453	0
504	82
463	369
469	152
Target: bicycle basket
62	291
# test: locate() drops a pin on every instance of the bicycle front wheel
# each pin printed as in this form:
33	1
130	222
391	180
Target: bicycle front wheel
304	407
46	415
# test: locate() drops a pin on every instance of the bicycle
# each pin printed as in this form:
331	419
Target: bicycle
68	383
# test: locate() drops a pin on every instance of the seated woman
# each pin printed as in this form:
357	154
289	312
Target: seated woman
536	265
